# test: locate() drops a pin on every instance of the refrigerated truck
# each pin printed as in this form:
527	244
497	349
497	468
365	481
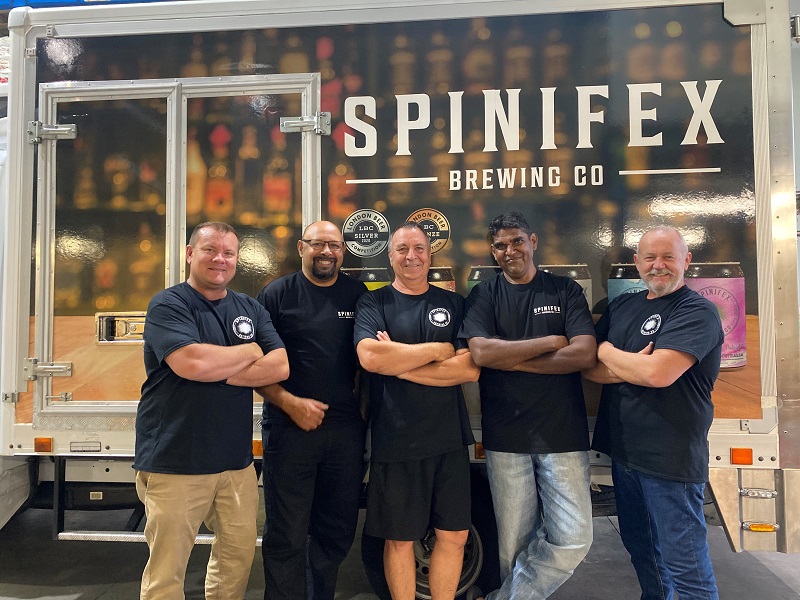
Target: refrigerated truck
128	125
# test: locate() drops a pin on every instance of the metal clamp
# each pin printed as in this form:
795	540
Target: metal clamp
33	369
758	493
320	123
37	131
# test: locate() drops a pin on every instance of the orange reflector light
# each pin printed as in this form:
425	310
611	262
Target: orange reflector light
480	454
42	444
761	527
741	456
258	448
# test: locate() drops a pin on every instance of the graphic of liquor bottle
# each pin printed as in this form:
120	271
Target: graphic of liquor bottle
556	59
439	63
641	58
196	174
146	268
442	163
475	159
196	67
560	157
332	86
119	174
400	167
478	66
277	179
247	60
85	193
402	62
518	61
294	59
219	185
151	192
351	70
247	177
342	196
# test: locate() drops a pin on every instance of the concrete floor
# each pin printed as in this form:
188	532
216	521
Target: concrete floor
34	566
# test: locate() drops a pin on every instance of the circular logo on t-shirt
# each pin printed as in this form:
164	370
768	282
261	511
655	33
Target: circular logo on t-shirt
243	328
439	317
651	325
435	224
366	233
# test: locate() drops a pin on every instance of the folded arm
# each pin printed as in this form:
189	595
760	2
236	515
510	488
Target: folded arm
208	362
600	373
579	354
497	353
386	357
649	368
453	371
270	368
306	413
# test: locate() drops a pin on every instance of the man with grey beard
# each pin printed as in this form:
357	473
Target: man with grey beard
658	356
312	430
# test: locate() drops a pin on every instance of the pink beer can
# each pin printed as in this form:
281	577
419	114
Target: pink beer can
723	284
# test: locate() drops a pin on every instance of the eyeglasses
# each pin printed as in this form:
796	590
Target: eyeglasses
318	245
515	243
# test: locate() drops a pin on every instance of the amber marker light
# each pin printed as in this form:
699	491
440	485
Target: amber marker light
741	456
760	527
480	453
258	448
43	444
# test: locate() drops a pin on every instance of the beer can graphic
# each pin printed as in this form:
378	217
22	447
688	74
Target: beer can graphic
373	277
624	279
442	277
579	273
478	273
723	284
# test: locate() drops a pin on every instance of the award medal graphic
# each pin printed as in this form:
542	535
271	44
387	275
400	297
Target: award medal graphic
435	224
366	233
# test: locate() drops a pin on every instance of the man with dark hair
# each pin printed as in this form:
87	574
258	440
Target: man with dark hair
313	431
658	358
205	349
531	333
406	336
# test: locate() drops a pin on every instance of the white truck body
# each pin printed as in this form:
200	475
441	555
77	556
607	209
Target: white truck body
423	125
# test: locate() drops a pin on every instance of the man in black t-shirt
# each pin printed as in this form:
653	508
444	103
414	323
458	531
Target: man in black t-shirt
531	333
658	358
205	349
313	431
406	336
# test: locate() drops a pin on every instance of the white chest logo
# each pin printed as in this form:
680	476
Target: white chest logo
243	327
651	325
439	317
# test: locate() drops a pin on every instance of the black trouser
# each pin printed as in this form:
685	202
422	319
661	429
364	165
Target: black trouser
312	484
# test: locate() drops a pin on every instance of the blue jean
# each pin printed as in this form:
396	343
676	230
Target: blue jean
543	508
664	530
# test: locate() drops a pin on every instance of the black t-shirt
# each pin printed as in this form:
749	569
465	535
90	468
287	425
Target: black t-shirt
661	431
316	324
412	421
191	427
529	412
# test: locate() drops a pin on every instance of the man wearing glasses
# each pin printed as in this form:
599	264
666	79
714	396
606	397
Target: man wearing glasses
313	431
531	333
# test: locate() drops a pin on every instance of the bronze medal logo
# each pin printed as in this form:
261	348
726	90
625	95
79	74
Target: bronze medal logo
435	224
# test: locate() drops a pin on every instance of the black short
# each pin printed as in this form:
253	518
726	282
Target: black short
404	498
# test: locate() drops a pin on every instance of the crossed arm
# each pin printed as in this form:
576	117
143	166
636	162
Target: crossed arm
552	354
649	368
243	365
430	363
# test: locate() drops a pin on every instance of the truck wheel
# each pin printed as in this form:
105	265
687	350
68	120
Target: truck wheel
372	558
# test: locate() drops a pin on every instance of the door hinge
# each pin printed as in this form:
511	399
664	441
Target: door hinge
37	131
33	369
11	398
794	27
320	123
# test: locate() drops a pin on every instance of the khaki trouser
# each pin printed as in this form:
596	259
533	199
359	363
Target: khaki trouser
175	506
